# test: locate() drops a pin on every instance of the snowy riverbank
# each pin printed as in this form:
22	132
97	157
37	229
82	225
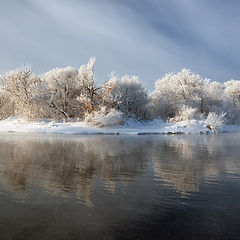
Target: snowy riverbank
14	124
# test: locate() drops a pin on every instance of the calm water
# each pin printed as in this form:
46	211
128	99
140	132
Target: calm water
119	187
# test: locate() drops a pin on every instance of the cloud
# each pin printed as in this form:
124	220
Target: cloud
147	37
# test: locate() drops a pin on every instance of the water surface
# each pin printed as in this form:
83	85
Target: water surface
119	187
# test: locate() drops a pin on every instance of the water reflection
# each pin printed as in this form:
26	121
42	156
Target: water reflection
183	162
119	187
62	165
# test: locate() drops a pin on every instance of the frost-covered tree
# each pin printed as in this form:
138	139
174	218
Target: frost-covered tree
74	92
212	97
90	96
94	97
69	93
6	105
232	92
164	98
176	90
108	91
232	100
62	86
101	112
23	88
130	97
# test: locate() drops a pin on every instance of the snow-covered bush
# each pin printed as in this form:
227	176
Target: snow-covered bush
214	121
130	97
184	114
105	118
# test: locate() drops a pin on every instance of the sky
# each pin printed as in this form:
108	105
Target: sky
147	38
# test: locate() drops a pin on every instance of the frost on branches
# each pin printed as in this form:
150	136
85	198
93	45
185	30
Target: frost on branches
232	100
23	88
62	87
184	114
71	94
214	122
174	91
89	96
130	97
6	105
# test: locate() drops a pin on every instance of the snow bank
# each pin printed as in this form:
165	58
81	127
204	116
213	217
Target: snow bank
15	124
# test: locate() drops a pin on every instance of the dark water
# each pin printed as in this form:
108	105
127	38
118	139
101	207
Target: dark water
119	187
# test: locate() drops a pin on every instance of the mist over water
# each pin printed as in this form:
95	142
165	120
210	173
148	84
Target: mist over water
119	187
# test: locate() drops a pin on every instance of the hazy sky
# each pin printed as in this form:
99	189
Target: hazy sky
147	38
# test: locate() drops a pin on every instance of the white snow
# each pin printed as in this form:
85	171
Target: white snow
14	124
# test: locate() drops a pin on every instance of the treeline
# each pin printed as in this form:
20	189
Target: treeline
71	94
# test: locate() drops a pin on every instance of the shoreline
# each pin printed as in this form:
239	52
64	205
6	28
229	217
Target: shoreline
154	127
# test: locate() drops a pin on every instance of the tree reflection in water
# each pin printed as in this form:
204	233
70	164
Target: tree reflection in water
183	162
63	165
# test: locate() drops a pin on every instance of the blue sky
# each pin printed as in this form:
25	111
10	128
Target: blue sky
147	38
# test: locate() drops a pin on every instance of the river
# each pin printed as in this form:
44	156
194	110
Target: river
119	187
